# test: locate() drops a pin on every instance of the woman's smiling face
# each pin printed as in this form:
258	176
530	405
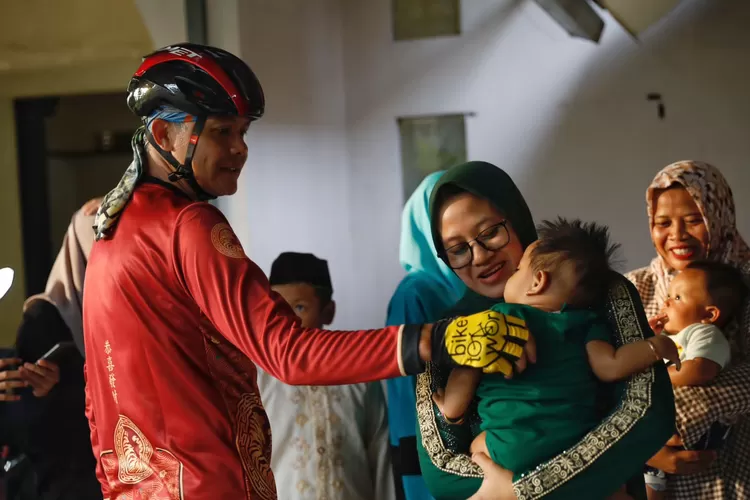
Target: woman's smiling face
678	231
462	218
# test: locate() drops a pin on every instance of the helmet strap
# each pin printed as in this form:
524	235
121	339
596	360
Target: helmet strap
184	171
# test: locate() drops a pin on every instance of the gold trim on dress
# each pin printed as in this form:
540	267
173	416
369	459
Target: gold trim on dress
444	459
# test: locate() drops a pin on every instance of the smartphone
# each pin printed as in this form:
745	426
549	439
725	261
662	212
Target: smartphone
59	352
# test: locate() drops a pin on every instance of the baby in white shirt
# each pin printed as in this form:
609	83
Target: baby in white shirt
701	300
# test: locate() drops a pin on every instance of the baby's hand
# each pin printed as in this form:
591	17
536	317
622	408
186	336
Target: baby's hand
439	399
666	349
657	323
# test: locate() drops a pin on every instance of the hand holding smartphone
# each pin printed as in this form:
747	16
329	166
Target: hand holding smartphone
41	376
44	375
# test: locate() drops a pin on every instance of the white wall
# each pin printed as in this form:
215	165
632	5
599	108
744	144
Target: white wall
164	20
74	179
568	119
293	193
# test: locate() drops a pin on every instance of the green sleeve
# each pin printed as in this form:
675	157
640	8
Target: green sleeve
641	422
599	330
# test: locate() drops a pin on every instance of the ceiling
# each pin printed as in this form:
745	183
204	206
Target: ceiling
66	33
579	19
69	33
638	15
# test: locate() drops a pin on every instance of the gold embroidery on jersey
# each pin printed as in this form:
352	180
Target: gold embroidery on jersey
254	446
135	469
111	370
226	242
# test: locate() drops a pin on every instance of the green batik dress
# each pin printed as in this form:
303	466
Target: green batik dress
551	405
637	415
638	419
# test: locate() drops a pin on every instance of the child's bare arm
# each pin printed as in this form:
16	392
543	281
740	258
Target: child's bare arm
459	391
696	371
610	364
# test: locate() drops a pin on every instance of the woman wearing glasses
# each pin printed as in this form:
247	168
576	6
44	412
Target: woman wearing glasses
480	226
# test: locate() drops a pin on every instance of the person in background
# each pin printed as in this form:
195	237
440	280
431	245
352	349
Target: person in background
47	427
691	216
329	442
429	289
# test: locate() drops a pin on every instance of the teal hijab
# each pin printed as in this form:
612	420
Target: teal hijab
417	249
429	288
487	181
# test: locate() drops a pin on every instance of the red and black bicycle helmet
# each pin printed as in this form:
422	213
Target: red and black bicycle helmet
199	80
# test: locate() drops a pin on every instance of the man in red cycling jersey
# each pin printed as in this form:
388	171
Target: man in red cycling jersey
176	315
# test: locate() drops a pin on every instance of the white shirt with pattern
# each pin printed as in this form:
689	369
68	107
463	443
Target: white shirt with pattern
329	443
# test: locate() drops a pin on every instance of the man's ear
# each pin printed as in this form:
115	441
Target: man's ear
539	284
712	315
163	134
328	313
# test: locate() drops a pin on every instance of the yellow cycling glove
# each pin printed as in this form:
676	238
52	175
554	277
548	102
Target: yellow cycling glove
490	340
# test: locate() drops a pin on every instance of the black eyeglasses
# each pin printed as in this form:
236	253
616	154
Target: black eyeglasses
492	239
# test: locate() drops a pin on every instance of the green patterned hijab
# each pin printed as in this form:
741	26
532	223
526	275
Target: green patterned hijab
493	184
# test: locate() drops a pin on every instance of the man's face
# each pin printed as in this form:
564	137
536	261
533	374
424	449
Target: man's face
220	154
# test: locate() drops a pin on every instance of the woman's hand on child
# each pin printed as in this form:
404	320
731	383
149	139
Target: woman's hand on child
665	348
498	482
675	441
657	323
673	459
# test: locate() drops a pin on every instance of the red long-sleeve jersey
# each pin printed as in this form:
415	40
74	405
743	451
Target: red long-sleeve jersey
175	315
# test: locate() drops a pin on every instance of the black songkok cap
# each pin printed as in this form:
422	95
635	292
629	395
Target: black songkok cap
293	267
